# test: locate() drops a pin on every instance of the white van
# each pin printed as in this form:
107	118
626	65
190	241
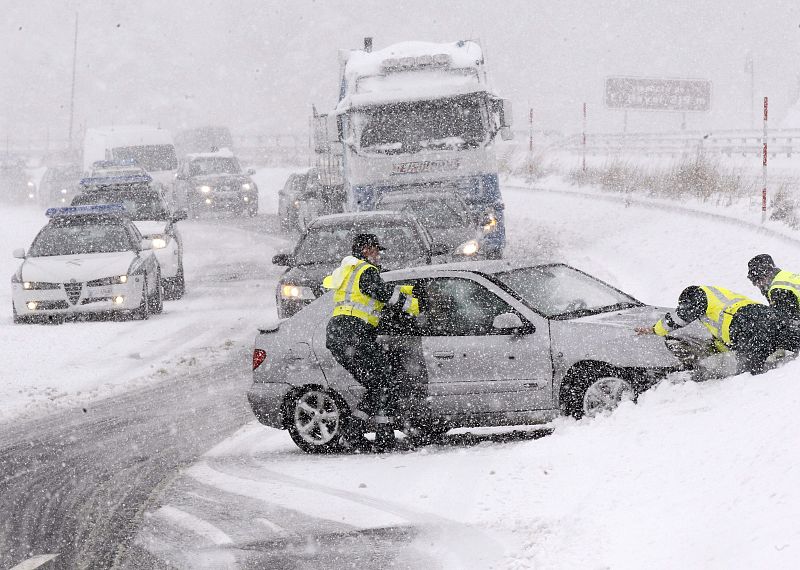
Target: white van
150	147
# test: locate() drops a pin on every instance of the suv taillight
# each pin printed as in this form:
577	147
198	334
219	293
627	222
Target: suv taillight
259	356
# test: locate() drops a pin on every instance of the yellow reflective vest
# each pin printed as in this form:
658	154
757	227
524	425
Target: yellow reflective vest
722	305
349	300
785	280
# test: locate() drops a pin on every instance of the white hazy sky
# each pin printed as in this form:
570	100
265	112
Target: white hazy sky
258	65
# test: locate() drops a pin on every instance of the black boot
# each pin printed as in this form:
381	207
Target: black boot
384	434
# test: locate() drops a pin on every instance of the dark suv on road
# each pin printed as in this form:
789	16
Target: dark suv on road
214	182
329	239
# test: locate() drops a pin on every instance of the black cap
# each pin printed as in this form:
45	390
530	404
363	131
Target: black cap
360	241
760	267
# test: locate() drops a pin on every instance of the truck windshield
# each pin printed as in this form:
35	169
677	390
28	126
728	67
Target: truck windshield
152	158
452	123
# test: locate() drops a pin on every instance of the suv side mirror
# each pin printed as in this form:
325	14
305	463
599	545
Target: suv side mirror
145	244
250	171
506	133
284	259
179	216
19	253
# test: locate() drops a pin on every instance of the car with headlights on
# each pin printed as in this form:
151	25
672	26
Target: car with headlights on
329	239
215	182
150	214
59	184
86	260
495	343
16	185
446	217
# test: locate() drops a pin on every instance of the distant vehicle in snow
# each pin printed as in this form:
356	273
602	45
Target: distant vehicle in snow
152	216
495	344
329	239
59	184
86	260
289	200
16	185
203	139
149	147
214	181
416	116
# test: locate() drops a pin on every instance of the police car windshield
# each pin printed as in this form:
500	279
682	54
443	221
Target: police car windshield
329	244
215	165
140	202
74	237
561	291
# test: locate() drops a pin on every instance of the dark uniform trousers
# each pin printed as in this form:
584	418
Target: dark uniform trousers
354	345
757	331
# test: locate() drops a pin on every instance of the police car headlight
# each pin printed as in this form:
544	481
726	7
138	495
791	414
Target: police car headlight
159	242
297	292
31	184
63	190
204	189
116	280
470	247
247	186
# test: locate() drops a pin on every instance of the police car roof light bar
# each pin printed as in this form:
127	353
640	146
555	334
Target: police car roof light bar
111	180
83	210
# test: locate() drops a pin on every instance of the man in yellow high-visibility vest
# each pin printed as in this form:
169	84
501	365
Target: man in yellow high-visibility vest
360	294
780	287
752	330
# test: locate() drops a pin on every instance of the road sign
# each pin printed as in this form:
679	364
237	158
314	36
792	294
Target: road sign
650	94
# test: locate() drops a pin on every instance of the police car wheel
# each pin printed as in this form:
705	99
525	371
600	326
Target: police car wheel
156	301
315	421
143	312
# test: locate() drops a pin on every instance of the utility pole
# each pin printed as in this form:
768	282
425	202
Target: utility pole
72	91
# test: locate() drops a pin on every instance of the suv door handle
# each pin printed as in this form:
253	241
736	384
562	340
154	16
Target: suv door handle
443	354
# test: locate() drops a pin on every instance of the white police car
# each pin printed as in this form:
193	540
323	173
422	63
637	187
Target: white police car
87	259
150	214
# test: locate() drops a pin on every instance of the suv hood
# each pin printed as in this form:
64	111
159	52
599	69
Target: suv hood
81	268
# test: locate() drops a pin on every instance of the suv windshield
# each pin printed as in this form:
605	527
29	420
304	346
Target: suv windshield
73	237
214	165
329	244
141	204
431	212
560	291
152	158
453	123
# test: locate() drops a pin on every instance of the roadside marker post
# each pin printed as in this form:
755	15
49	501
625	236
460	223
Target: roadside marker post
764	166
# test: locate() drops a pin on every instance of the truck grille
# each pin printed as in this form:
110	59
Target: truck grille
73	291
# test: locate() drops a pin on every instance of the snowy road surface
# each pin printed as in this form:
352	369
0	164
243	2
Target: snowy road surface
616	492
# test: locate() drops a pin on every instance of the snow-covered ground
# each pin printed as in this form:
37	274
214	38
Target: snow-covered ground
693	476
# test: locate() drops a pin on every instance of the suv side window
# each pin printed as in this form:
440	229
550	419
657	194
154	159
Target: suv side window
459	307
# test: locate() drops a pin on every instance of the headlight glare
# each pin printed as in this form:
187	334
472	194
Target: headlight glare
297	292
247	186
159	242
470	247
38	285
204	189
115	280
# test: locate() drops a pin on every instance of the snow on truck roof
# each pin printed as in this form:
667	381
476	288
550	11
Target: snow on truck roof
130	135
409	71
221	153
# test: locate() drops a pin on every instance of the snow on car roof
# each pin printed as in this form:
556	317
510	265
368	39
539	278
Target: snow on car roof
358	217
221	153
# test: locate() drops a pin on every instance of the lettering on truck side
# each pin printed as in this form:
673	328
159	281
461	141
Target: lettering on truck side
419	166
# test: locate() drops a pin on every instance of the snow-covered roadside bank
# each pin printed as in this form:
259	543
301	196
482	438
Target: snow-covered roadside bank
230	292
693	476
